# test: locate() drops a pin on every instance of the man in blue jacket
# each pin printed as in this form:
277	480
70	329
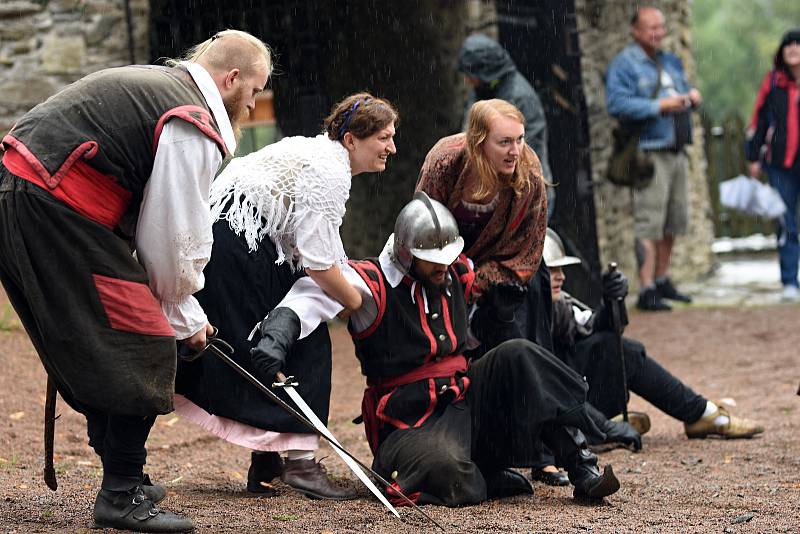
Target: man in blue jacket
644	84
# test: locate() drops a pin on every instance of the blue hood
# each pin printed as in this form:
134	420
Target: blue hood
483	58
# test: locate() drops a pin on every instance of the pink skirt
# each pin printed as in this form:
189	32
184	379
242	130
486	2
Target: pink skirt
243	434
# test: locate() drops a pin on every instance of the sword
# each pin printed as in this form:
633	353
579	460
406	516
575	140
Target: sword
223	350
288	385
619	319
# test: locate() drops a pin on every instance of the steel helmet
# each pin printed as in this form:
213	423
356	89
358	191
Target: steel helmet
554	255
425	229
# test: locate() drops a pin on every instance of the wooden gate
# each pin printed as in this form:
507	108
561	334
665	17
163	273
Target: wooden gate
724	146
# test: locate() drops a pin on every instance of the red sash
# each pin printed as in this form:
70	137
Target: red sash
378	387
94	195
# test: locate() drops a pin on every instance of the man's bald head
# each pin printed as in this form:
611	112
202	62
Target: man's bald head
648	29
240	65
232	49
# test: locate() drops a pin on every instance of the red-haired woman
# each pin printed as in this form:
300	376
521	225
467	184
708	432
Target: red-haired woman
492	182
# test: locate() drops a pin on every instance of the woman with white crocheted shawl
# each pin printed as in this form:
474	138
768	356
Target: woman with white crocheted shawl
278	213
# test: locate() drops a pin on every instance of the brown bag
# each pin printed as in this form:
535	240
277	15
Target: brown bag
630	166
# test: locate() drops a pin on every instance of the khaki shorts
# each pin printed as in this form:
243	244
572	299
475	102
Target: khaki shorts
662	208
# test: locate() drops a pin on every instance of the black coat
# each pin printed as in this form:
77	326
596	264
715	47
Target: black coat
775	124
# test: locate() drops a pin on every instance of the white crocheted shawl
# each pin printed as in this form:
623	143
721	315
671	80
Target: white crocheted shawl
298	183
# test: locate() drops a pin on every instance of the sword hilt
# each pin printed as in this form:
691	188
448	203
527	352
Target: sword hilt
186	354
285	381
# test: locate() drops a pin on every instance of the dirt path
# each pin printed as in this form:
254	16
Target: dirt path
674	485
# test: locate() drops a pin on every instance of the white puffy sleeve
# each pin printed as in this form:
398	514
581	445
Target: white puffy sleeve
313	306
173	236
321	194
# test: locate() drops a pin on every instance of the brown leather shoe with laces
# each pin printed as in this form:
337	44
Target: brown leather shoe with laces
736	427
310	478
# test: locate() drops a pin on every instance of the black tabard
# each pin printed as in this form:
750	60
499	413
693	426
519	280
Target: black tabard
112	119
405	335
410	355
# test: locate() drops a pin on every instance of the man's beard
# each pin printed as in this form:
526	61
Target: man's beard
436	289
236	113
431	287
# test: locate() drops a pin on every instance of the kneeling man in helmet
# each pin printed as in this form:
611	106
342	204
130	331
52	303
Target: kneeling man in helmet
446	430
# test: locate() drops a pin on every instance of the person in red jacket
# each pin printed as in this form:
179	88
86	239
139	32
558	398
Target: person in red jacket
774	138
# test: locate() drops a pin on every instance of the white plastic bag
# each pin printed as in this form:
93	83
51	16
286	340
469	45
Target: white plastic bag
751	196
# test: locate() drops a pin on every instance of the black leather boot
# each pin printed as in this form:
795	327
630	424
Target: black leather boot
132	510
310	478
502	483
154	492
279	331
571	450
264	468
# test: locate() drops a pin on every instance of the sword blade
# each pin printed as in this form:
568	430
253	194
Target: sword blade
216	351
354	467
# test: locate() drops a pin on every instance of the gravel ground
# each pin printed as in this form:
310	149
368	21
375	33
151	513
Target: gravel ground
674	485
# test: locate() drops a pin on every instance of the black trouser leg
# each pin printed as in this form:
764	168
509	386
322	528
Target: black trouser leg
435	459
660	388
645	377
96	426
543	458
119	440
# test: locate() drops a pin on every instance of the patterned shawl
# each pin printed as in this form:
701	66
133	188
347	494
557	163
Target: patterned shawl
509	248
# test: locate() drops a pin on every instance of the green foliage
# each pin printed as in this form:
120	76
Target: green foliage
734	44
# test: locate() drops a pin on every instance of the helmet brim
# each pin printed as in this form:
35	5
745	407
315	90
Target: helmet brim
445	255
563	261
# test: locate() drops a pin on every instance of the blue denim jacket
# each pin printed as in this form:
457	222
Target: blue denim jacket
630	80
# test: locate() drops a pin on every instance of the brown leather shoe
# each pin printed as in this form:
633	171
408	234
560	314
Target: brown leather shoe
310	478
736	427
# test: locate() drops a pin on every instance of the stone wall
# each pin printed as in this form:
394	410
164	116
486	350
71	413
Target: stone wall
45	45
603	27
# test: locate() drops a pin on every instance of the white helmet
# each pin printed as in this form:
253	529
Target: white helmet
425	229
554	255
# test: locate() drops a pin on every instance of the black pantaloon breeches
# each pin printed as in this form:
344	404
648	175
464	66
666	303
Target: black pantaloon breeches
119	377
517	391
598	359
